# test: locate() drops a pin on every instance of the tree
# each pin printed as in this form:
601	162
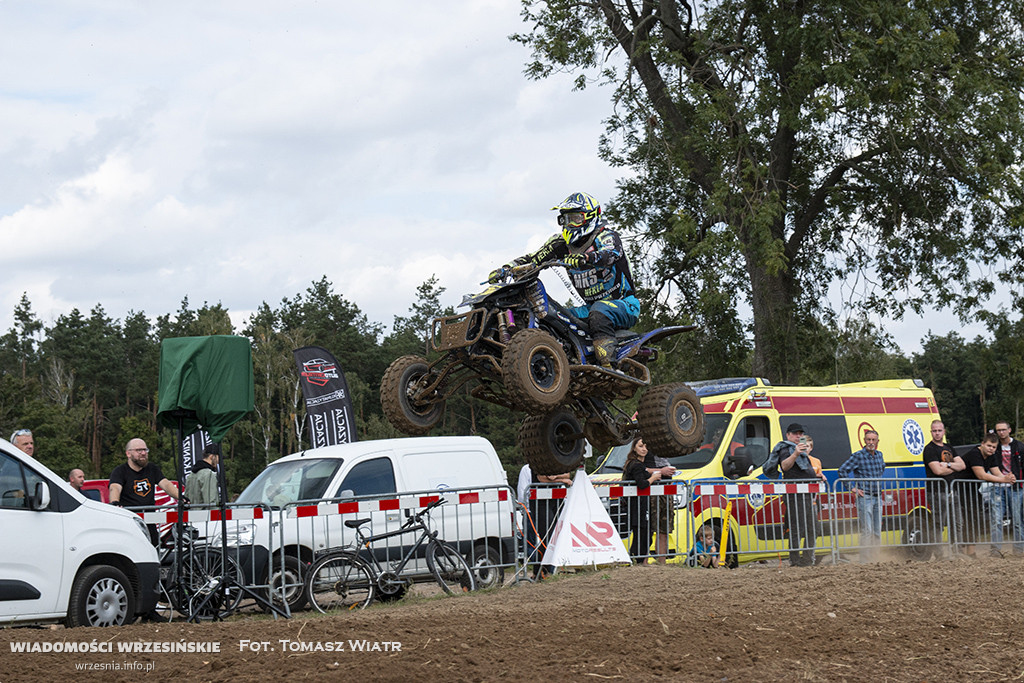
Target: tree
799	144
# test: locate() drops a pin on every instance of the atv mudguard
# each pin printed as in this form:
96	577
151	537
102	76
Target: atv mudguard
654	336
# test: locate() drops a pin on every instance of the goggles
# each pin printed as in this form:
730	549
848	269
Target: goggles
572	219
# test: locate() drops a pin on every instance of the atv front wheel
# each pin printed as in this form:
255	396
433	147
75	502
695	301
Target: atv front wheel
397	388
535	371
671	420
552	443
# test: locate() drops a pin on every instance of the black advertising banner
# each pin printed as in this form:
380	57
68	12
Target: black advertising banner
328	403
192	448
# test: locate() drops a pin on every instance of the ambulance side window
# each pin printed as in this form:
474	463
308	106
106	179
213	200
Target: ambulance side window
753	431
830	434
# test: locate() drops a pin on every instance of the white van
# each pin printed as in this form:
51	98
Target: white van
64	556
387	468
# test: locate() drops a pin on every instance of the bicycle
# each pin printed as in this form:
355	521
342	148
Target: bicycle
342	579
193	588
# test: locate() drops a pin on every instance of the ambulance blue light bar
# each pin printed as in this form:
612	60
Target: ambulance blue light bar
714	387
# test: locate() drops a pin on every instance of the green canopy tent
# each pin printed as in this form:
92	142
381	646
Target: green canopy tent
206	381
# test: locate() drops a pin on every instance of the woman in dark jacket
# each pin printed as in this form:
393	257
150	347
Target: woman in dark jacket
634	472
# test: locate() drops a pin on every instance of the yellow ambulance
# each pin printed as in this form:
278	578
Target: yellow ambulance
752	414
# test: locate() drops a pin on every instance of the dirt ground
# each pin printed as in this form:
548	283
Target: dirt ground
944	620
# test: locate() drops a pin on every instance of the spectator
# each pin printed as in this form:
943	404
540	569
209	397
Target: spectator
866	467
706	551
982	465
201	484
790	456
1008	457
133	483
815	498
635	472
815	462
545	514
22	438
76	478
665	508
942	467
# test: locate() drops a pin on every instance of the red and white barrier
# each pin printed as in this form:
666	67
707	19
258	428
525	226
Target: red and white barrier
400	503
170	515
768	489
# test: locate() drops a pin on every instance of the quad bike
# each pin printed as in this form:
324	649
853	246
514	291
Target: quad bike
524	351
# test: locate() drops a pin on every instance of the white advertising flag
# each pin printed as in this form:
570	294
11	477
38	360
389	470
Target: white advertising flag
584	535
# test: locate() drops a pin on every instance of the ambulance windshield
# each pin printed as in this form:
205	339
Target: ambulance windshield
715	426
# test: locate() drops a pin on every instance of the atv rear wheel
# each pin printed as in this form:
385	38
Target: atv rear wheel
671	420
552	443
535	371
396	389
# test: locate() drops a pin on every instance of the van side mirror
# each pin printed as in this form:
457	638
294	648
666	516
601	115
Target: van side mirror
348	493
40	497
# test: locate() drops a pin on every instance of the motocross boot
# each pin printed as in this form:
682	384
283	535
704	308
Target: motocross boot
604	349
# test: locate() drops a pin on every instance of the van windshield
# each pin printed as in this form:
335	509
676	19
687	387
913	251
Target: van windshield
287	482
715	425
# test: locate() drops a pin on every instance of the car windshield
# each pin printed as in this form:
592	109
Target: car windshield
715	425
287	482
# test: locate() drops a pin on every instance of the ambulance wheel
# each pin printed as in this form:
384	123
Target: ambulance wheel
552	443
101	596
396	390
916	537
535	371
671	420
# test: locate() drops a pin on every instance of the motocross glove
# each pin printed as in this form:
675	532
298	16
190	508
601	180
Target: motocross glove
499	274
577	261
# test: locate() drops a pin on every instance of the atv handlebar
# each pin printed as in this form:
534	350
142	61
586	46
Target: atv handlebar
525	270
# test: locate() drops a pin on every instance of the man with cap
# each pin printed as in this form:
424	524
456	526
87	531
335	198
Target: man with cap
790	458
201	484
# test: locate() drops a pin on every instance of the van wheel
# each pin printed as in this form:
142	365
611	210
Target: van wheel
487	566
671	419
535	371
101	596
916	535
292	577
552	443
399	383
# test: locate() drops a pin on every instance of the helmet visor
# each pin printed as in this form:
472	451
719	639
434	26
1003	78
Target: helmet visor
573	219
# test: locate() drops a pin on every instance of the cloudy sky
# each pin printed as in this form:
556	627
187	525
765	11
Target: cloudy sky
234	152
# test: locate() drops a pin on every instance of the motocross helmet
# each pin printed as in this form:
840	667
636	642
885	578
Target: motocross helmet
579	215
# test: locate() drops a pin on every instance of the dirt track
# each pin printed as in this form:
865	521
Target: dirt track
940	621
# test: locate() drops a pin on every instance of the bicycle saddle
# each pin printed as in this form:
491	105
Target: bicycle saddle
356	523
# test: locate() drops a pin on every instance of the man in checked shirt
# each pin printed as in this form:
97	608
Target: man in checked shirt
868	465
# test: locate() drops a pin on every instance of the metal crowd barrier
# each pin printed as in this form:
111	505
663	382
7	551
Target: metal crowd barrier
811	521
989	517
249	535
476	520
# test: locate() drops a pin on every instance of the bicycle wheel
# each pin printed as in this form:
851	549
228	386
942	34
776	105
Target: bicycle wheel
339	581
210	589
450	569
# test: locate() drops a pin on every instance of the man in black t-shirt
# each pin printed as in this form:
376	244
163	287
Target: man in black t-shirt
942	466
983	466
133	483
1008	501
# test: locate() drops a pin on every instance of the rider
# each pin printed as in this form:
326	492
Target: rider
598	268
